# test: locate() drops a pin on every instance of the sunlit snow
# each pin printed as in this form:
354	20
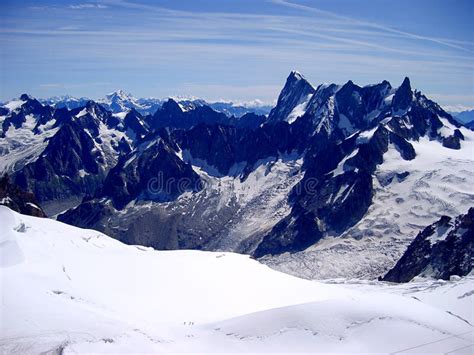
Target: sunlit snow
71	290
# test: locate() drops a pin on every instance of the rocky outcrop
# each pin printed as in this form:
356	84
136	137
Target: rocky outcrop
152	172
441	250
403	97
225	147
172	115
18	200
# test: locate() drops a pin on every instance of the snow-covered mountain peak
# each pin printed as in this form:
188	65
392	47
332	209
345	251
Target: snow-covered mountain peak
18	103
350	107
294	74
121	95
293	99
120	101
14	105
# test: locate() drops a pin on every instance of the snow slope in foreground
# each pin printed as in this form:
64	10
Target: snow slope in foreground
75	290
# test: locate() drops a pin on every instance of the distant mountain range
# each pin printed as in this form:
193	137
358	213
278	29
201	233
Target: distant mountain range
466	117
336	180
120	101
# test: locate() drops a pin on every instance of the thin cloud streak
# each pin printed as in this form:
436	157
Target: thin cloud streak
445	42
136	43
87	6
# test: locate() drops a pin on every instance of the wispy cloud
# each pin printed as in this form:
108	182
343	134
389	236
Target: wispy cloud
47	86
445	42
51	86
140	6
88	6
238	53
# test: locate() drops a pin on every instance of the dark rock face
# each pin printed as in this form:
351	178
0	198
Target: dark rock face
152	227
405	148
87	215
89	117
153	172
291	235
169	114
422	119
55	174
213	143
452	142
18	200
134	121
224	146
442	249
172	116
403	97
355	102
249	120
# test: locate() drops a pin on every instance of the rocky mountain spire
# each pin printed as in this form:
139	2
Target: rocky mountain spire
403	97
296	92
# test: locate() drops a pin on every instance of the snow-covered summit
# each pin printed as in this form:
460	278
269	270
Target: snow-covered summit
293	99
121	94
349	104
297	75
120	101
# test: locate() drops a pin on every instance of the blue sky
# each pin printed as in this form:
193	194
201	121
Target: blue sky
238	50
